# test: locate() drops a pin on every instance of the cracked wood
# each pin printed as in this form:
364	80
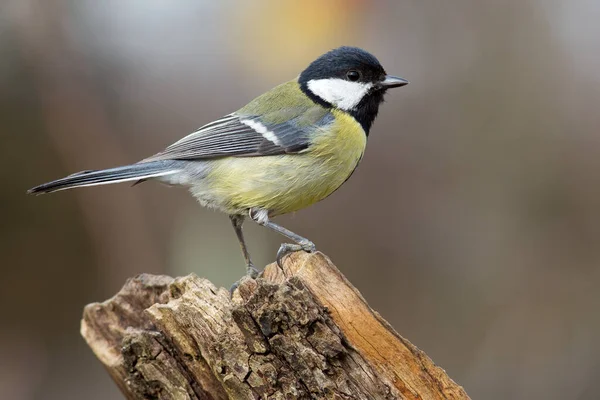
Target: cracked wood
301	333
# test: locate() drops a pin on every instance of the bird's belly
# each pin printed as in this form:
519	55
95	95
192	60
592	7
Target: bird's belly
281	184
284	183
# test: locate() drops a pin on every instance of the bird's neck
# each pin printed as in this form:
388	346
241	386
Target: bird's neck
364	112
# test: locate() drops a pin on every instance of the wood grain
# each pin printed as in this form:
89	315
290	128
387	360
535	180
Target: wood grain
301	333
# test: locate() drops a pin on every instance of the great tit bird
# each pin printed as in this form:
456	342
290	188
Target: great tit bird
287	149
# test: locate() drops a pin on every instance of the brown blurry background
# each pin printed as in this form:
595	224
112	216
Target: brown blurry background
472	224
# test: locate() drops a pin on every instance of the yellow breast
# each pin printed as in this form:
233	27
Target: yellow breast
287	183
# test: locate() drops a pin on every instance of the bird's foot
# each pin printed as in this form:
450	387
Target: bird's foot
251	272
287	248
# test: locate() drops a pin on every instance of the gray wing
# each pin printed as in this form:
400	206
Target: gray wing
242	136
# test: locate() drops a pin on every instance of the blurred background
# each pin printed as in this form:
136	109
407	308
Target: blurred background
472	224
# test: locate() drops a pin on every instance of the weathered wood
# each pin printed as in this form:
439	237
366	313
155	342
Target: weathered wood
301	333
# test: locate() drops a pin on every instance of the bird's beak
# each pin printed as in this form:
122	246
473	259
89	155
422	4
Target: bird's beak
393	81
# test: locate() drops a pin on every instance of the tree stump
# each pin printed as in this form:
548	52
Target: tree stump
303	332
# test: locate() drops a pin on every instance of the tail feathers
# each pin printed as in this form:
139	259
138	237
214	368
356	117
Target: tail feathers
134	172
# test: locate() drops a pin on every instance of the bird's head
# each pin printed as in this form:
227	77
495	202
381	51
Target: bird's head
350	79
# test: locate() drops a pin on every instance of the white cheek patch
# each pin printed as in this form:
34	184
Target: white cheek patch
339	92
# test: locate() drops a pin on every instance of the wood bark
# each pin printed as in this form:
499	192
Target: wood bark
303	332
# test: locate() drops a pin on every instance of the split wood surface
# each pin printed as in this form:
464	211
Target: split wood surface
301	333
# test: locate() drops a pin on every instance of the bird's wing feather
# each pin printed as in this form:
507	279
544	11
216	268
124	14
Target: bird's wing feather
246	136
281	121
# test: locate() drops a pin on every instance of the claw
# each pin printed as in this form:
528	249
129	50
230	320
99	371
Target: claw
233	288
287	248
284	250
251	271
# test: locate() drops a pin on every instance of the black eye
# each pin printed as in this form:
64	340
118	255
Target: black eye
353	75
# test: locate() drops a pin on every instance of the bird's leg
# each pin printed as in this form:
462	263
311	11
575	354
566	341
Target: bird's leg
251	271
237	221
261	217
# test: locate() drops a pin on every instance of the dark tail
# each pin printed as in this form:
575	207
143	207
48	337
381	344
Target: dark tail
132	172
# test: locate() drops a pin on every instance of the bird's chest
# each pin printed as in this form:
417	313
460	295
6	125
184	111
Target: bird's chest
336	153
328	163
